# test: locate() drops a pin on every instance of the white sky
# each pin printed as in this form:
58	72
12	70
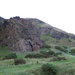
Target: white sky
58	13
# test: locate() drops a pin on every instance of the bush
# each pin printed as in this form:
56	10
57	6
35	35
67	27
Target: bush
61	48
48	46
19	61
38	55
49	69
42	54
58	59
72	50
69	40
10	56
47	53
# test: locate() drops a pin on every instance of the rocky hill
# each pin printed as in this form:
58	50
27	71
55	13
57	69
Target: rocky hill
24	34
45	28
20	34
52	35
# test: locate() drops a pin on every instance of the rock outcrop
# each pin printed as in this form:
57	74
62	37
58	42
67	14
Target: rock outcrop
20	34
54	33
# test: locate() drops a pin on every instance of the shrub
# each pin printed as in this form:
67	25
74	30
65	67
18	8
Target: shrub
10	56
72	50
48	46
42	54
49	69
58	59
37	55
47	53
69	40
61	48
19	61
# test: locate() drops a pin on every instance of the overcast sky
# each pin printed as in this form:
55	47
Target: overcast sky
58	13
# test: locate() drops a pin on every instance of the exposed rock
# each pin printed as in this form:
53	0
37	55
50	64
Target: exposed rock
20	34
54	33
23	34
45	28
59	35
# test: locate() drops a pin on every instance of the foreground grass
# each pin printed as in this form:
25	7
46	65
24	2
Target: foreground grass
65	67
33	66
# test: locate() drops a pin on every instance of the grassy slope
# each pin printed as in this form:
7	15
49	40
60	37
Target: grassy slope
31	67
52	41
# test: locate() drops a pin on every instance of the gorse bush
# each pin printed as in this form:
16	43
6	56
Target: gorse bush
42	54
61	48
19	61
10	56
72	51
58	59
49	69
69	40
37	55
48	46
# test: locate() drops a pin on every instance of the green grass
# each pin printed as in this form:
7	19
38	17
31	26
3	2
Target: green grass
31	66
7	67
52	41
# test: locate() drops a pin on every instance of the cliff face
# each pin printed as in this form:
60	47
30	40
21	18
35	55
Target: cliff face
24	34
20	34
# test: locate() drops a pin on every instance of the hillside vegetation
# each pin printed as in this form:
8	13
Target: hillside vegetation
32	47
53	36
34	66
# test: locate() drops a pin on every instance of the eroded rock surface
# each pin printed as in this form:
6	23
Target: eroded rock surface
20	34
